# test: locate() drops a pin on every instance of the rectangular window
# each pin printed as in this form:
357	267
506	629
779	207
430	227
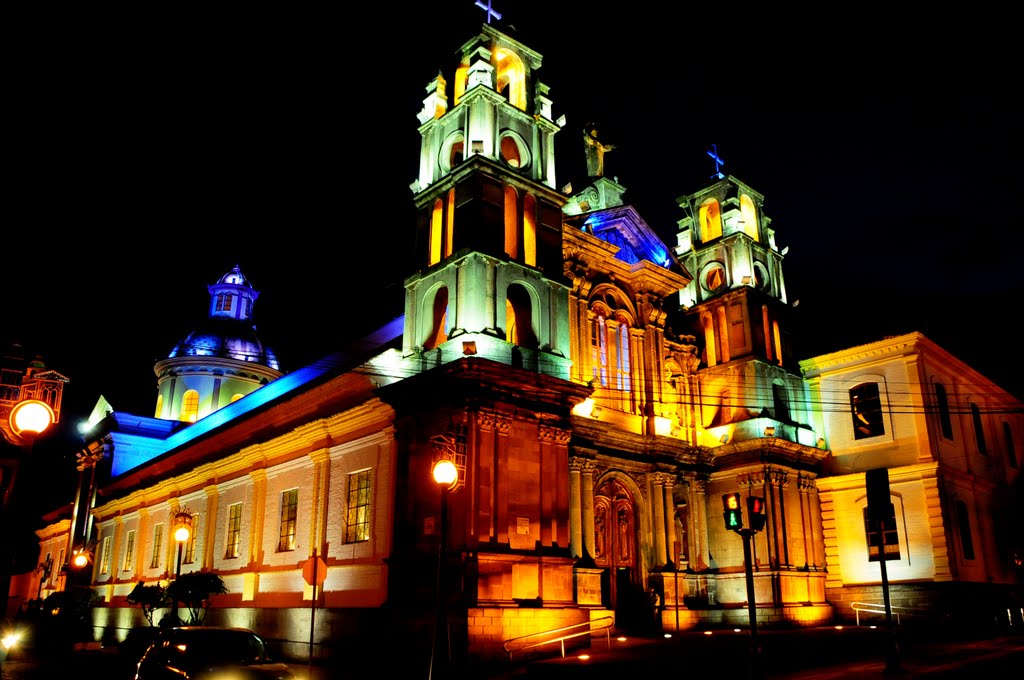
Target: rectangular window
289	517
190	546
105	555
234	533
60	565
357	519
866	408
942	401
129	551
963	519
158	546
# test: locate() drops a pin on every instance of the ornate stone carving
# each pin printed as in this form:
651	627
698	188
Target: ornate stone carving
555	435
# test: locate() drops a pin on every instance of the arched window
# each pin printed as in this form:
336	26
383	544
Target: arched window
511	223
610	358
190	406
781	402
710	220
748	215
599	349
519	318
942	402
530	230
439	321
511	77
979	431
866	409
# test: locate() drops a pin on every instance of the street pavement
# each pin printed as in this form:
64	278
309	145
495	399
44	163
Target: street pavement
805	654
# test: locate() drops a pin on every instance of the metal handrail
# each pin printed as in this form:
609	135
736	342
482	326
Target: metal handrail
879	608
562	638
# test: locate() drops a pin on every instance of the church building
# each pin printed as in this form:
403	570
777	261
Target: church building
598	392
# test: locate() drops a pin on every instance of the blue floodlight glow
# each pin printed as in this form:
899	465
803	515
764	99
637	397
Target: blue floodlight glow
635	244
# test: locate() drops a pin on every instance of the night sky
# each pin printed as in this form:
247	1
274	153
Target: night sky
148	157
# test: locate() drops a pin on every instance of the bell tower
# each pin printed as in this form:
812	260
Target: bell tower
488	218
737	307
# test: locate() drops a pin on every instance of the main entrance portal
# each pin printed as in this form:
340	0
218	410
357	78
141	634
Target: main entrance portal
616	547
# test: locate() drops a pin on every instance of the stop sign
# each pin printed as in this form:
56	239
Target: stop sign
314	565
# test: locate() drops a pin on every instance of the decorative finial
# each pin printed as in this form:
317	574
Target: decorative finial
713	152
487	8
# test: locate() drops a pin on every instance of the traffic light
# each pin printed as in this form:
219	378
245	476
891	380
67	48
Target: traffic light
733	511
755	508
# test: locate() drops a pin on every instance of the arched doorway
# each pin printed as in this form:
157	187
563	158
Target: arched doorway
617	551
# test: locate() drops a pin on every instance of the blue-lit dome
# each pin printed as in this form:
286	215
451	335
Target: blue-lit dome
226	338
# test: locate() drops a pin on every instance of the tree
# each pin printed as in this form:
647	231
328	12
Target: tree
149	598
195	590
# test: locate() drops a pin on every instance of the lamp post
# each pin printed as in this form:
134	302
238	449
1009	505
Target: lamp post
182	533
446	476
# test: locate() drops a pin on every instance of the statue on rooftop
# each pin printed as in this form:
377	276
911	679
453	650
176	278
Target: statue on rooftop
595	151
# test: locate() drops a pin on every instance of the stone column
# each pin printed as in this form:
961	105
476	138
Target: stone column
575	508
700	556
658	518
587	488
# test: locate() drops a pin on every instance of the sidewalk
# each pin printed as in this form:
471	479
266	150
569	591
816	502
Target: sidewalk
819	653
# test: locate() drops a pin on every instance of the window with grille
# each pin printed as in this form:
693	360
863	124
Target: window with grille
158	546
234	532
129	551
190	546
357	519
289	517
190	406
883	537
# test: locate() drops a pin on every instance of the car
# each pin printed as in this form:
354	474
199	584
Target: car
210	653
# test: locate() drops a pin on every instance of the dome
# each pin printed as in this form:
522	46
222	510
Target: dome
226	338
235	277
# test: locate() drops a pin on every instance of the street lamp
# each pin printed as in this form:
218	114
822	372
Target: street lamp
446	476
182	534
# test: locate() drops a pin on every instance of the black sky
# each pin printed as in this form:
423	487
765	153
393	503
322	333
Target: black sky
149	156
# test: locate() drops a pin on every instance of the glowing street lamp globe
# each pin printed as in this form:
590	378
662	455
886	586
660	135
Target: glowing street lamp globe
31	417
445	473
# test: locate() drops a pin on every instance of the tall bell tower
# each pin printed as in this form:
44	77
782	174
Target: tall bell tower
488	217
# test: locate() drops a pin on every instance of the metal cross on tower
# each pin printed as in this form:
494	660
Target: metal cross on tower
713	152
487	8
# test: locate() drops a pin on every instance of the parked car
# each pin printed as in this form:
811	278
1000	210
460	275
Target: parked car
210	653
